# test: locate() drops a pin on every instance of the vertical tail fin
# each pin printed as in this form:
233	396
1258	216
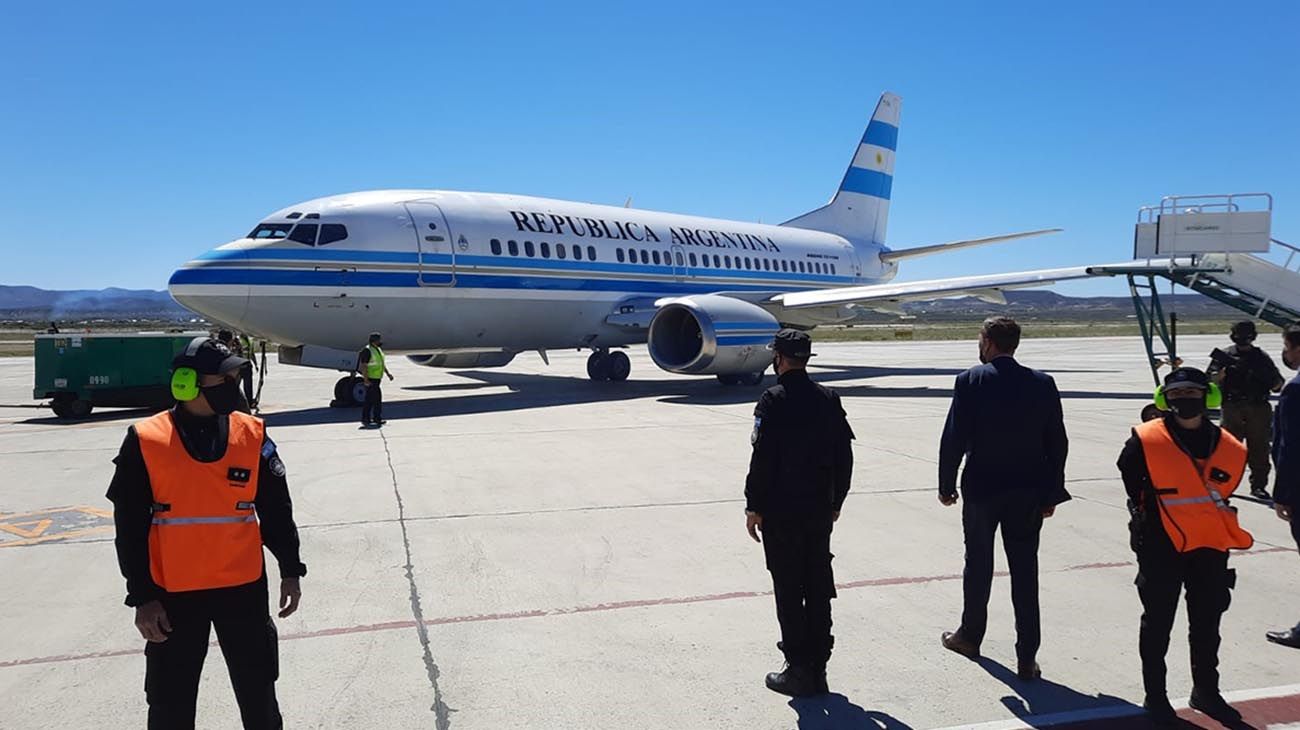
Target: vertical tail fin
860	208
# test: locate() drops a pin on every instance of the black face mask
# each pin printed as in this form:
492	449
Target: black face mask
223	398
1187	407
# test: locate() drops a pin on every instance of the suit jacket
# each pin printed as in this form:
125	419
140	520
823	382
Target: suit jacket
1286	445
1006	422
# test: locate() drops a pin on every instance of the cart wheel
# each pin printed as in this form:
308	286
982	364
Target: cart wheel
60	409
79	408
349	392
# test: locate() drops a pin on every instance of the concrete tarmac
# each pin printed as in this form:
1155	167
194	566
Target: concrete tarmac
522	548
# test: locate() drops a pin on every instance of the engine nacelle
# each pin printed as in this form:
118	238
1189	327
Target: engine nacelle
711	335
464	359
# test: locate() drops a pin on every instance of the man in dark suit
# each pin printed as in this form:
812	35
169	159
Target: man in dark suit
1286	459
1006	422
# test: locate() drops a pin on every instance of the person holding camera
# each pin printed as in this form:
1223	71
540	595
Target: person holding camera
1247	375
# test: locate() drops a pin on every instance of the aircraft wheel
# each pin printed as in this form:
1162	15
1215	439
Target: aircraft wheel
619	366
598	366
349	392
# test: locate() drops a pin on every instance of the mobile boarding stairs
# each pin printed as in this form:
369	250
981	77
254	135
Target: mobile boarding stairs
1218	245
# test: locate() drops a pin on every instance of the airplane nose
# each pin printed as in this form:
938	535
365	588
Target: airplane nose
215	285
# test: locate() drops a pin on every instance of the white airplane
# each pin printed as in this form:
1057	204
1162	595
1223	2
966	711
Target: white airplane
473	279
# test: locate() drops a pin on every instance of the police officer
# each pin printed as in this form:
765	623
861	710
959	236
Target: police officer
198	491
244	348
371	365
1286	459
1247	374
1179	473
799	475
227	338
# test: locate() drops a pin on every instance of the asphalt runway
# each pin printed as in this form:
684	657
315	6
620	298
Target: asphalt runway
522	548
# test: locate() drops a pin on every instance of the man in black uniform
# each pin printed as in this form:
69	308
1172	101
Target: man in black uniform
227	338
1247	374
176	623
1200	563
799	475
1286	460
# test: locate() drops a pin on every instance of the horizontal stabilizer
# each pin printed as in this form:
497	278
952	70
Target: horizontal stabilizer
908	253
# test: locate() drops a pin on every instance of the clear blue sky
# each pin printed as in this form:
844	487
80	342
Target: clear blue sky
134	137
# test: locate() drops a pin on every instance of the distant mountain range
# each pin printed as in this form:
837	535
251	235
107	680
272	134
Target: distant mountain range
30	304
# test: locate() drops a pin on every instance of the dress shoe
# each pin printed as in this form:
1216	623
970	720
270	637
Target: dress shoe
1159	711
954	641
1260	493
793	681
1029	671
1290	637
1213	704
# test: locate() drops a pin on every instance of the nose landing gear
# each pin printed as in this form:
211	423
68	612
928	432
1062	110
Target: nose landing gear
605	365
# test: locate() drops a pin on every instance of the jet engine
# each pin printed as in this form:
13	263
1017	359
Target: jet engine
712	335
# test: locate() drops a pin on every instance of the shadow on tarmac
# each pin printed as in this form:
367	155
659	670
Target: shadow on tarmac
834	711
537	391
117	414
1044	697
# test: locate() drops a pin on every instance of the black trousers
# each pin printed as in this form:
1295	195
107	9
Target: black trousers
1162	574
798	553
1020	516
372	410
246	377
248	642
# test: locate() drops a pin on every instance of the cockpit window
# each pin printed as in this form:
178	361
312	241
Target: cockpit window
304	233
331	232
270	230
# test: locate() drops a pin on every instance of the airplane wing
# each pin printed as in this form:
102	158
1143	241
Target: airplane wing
934	248
986	286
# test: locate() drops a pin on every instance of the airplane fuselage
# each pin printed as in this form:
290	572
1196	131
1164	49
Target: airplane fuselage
441	270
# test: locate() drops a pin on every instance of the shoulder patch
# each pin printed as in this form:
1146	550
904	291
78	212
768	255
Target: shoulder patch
753	435
268	447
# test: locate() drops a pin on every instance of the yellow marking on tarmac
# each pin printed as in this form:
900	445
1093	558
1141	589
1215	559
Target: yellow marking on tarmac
56	523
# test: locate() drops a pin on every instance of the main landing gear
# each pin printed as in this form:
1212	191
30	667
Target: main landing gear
606	365
742	378
349	392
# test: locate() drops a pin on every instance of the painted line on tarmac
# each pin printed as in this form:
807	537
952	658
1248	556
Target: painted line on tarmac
1271	708
590	608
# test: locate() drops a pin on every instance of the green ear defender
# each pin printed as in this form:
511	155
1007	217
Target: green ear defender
185	384
1213	398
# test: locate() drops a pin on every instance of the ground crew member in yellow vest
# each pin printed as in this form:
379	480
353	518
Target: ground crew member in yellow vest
198	491
371	365
1179	472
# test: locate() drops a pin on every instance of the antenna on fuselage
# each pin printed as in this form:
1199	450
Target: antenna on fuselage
628	204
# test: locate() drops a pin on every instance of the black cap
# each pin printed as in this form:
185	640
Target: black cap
375	336
1186	378
1244	330
793	343
208	357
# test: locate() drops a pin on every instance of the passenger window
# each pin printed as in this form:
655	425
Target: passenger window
513	247
496	247
679	259
559	251
747	264
655	255
727	261
618	253
546	250
645	256
331	232
528	249
802	269
717	262
832	269
693	260
304	233
577	253
591	253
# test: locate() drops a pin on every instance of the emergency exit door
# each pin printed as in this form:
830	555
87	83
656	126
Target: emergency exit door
433	241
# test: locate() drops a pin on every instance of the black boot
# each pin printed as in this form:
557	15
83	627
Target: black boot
1210	702
795	681
1160	711
1259	492
1289	637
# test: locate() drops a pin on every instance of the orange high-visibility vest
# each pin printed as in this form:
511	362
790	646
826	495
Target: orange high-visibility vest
205	532
1193	496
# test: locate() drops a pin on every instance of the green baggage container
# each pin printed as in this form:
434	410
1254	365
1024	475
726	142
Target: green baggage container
127	370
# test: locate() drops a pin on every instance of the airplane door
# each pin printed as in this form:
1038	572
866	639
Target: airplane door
434	244
679	262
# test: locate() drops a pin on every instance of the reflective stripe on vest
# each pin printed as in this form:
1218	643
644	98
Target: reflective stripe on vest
375	368
204	532
1193	496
